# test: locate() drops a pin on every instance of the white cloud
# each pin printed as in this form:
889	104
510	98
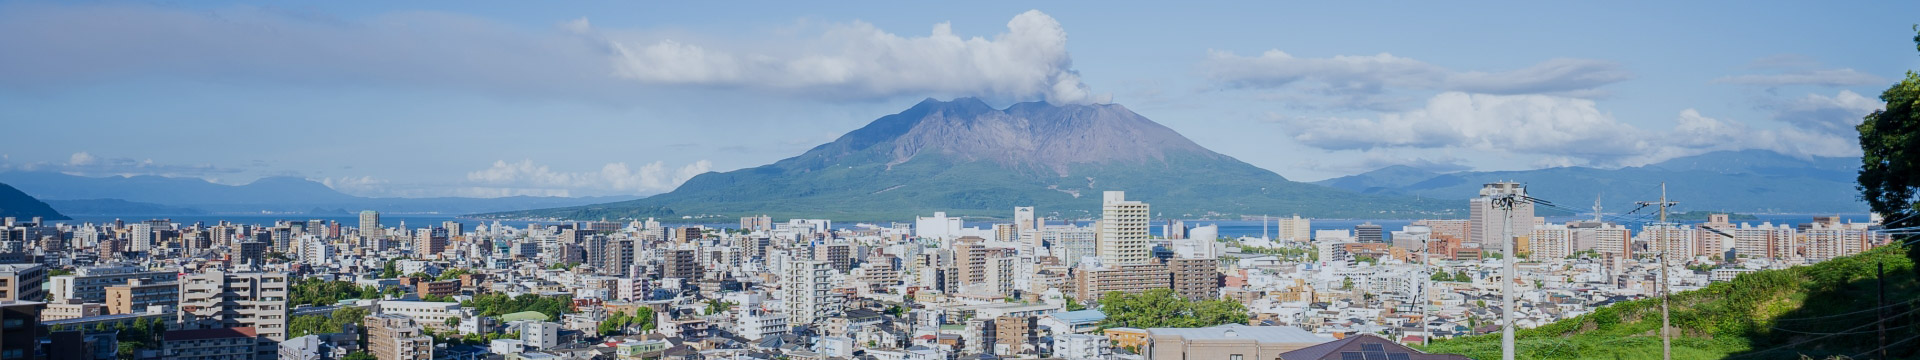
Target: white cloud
1519	123
1028	61
80	159
1559	131
87	164
1838	114
572	59
1821	77
650	178
1381	72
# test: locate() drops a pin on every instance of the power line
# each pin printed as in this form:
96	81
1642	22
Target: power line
1884	347
1803	342
1845	314
1838	333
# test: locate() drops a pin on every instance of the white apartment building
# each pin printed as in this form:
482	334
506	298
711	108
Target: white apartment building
805	288
1123	231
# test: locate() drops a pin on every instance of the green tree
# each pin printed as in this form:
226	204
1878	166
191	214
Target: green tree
1346	283
318	292
359	355
1165	308
1073	304
391	270
1890	155
715	306
452	274
304	325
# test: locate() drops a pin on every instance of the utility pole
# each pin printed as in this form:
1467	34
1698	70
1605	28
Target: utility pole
1666	332
1426	292
1505	202
1881	278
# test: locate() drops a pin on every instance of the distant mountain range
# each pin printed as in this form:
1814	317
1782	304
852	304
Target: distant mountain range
1752	181
967	158
156	195
16	204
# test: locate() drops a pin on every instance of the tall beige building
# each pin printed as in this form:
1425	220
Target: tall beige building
1294	229
1123	231
218	299
370	224
1485	225
397	337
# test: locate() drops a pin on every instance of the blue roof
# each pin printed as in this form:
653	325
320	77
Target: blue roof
1081	316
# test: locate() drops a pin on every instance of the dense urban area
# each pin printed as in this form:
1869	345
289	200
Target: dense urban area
1122	286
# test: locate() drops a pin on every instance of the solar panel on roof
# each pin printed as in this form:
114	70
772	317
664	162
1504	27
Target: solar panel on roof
1399	356
1351	356
1372	347
1376	355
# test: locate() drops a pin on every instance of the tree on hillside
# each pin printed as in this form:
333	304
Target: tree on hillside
1890	159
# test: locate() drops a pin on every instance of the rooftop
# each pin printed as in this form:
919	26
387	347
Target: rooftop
203	334
1265	334
1081	316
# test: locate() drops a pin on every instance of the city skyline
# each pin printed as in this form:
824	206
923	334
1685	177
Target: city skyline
606	99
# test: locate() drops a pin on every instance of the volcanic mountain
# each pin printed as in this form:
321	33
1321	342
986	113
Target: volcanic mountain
968	158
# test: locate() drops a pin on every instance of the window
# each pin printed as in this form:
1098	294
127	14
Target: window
1233	357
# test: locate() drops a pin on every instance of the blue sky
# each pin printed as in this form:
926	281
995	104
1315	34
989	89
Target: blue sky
600	98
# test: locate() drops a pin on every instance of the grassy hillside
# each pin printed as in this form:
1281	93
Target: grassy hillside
1821	310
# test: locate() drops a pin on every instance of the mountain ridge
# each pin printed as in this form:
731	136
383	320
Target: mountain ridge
1756	181
147	194
17	204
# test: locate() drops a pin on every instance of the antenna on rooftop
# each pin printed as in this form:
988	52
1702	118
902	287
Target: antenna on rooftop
1596	207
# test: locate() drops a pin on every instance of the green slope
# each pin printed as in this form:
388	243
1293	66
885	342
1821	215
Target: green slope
1821	310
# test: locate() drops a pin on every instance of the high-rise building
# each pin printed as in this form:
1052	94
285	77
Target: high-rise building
1295	229
430	242
806	288
1368	233
1123	230
370	224
1551	241
1071	243
1133	279
20	329
140	237
397	337
756	223
838	255
1195	279
218	299
137	296
1485	215
1025	227
680	264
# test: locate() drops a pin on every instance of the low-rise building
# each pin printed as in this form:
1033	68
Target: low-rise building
235	343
